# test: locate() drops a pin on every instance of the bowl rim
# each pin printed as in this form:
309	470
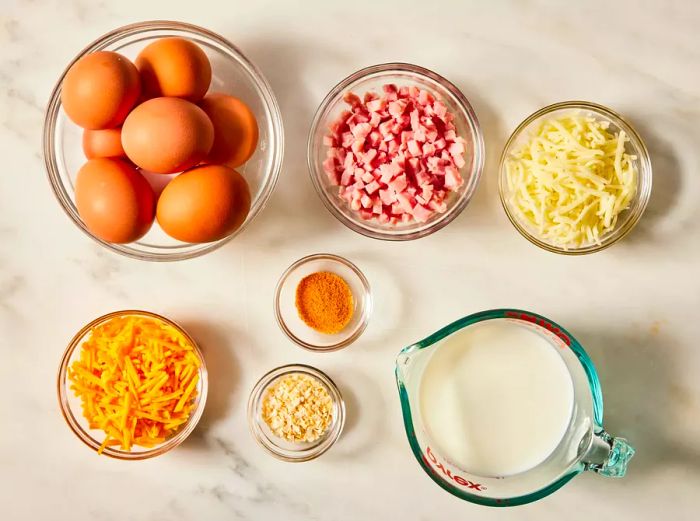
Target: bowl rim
84	436
464	105
366	297
323	445
644	182
265	91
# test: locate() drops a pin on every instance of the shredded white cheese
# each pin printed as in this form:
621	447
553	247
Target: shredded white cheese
571	180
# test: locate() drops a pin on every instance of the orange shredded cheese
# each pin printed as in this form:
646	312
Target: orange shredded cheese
137	380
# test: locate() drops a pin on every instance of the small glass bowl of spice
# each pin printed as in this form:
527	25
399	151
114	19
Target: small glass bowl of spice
323	302
296	412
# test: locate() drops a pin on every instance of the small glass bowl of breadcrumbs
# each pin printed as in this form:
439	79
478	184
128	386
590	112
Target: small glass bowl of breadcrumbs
296	412
323	302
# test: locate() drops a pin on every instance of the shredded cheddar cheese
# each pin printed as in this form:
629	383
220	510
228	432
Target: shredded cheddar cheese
137	380
571	180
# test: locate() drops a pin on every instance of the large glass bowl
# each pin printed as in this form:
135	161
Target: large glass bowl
232	73
635	146
71	405
372	79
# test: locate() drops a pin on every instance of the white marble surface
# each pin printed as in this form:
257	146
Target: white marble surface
634	306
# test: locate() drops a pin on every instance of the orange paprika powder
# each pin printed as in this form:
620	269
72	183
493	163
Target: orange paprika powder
324	302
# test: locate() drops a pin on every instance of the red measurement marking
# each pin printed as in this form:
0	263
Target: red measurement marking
540	322
431	460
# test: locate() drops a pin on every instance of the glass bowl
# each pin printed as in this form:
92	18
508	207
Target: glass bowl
288	316
283	449
71	405
372	78
232	73
635	146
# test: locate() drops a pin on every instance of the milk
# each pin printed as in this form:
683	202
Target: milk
496	398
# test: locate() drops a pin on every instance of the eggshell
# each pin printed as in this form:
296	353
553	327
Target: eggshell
204	204
235	129
174	67
103	143
114	201
167	135
100	89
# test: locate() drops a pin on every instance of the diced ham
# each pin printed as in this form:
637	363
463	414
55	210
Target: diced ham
405	201
388	197
352	99
369	97
428	149
452	177
347	139
421	213
424	179
395	156
349	160
376	105
397	107
440	110
358	146
372	187
399	184
329	165
347	177
414	148
362	130
391	91
368	156
456	148
425	98
367	177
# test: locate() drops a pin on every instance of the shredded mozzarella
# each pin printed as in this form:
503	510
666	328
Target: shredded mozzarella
571	180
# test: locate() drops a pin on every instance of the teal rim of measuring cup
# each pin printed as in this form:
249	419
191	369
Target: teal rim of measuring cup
517	314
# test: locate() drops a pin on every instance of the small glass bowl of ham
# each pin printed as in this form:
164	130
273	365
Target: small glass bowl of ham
395	151
71	405
575	178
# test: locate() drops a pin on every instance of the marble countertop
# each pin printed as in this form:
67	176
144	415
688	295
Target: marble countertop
634	306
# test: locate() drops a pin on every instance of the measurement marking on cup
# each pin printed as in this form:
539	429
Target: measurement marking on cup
447	472
540	322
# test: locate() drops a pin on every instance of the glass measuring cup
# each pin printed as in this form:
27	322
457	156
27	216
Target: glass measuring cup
584	446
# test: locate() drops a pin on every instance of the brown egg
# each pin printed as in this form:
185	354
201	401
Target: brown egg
114	201
235	129
204	204
167	135
174	67
103	143
100	89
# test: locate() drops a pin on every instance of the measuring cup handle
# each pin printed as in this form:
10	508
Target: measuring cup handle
608	456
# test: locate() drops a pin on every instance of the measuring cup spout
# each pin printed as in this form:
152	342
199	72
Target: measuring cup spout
608	456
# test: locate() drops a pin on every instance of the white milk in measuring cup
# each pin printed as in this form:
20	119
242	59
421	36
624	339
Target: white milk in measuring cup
504	407
496	399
